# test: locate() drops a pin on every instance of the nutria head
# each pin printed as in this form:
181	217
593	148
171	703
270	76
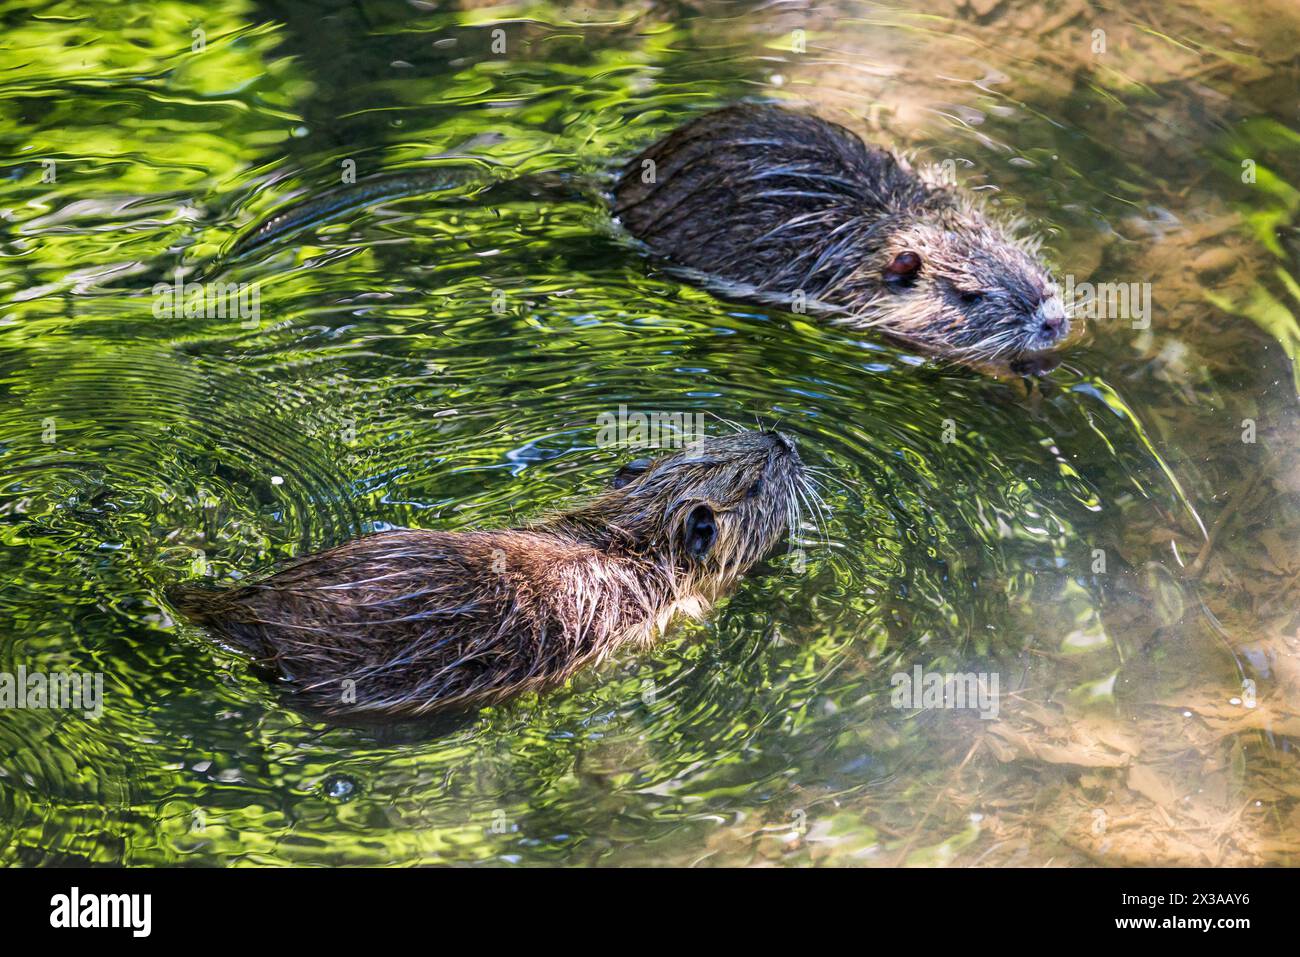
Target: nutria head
704	514
766	203
958	281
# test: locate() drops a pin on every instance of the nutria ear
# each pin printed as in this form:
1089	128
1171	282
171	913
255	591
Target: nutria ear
903	269
630	471
701	531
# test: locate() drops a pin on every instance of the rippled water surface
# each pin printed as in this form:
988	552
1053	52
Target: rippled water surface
1115	542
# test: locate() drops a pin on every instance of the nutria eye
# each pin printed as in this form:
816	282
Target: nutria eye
970	295
701	531
755	490
630	471
902	271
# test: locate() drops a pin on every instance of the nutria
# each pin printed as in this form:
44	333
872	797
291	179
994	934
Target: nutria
409	622
764	202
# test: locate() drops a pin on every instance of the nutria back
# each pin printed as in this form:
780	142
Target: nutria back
405	620
734	192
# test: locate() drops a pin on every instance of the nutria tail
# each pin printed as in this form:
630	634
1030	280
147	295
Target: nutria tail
190	600
205	605
455	180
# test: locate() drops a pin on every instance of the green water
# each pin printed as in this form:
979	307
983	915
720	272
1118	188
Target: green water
442	361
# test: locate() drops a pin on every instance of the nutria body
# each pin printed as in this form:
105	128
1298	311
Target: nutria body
409	622
761	201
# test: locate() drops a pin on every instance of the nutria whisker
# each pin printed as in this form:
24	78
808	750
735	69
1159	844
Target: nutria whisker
822	510
815	506
805	505
729	423
794	522
828	476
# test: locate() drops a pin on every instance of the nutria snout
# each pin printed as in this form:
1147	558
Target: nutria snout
413	621
781	206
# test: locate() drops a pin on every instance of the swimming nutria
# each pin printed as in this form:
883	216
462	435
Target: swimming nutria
772	203
763	202
415	621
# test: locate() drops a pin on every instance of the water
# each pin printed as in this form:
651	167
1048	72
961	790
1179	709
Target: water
1114	543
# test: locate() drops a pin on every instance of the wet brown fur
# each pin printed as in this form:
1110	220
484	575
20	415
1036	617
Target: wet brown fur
409	622
767	203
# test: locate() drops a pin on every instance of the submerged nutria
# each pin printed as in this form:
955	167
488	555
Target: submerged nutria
415	621
774	204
